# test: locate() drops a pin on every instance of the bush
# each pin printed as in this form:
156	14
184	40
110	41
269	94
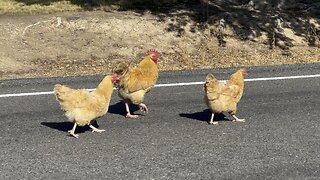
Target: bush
131	3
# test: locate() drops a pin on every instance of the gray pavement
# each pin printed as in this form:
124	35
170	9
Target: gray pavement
280	140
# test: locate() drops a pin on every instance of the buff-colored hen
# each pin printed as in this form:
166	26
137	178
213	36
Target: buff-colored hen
224	97
82	106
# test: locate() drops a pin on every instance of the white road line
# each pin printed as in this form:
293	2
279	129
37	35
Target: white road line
176	84
246	80
26	94
179	84
283	78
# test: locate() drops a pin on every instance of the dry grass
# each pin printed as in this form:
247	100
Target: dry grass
14	6
11	6
208	54
92	42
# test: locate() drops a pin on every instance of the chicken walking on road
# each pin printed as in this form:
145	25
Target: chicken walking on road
135	82
82	106
223	97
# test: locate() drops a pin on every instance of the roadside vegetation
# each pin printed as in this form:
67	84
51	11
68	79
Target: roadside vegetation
79	37
50	6
12	7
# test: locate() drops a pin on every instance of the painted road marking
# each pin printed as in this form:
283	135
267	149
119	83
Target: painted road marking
175	84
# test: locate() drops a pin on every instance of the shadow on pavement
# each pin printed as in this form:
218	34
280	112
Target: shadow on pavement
204	115
66	126
120	109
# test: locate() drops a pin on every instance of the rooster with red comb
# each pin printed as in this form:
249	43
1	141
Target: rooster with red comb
135	82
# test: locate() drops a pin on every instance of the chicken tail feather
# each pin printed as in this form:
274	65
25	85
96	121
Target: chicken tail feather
211	80
60	90
57	88
121	68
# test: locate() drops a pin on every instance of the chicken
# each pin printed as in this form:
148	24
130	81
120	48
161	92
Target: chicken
223	97
82	106
135	82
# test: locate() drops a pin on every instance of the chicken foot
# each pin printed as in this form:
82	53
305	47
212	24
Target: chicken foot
211	120
129	115
143	107
94	129
236	119
73	130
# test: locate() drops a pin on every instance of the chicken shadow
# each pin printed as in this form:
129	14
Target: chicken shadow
205	115
66	126
120	109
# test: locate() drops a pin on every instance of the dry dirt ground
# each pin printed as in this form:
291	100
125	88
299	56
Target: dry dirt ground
88	43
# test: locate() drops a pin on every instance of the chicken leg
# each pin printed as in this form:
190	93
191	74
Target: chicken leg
129	115
236	119
211	120
143	107
94	129
73	130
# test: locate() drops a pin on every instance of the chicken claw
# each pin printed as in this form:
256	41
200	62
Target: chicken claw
143	107
73	134
211	120
237	119
213	123
73	130
94	129
131	116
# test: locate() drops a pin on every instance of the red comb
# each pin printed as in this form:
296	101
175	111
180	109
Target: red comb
152	51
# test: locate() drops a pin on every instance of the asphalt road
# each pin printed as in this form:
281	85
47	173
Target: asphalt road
280	140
